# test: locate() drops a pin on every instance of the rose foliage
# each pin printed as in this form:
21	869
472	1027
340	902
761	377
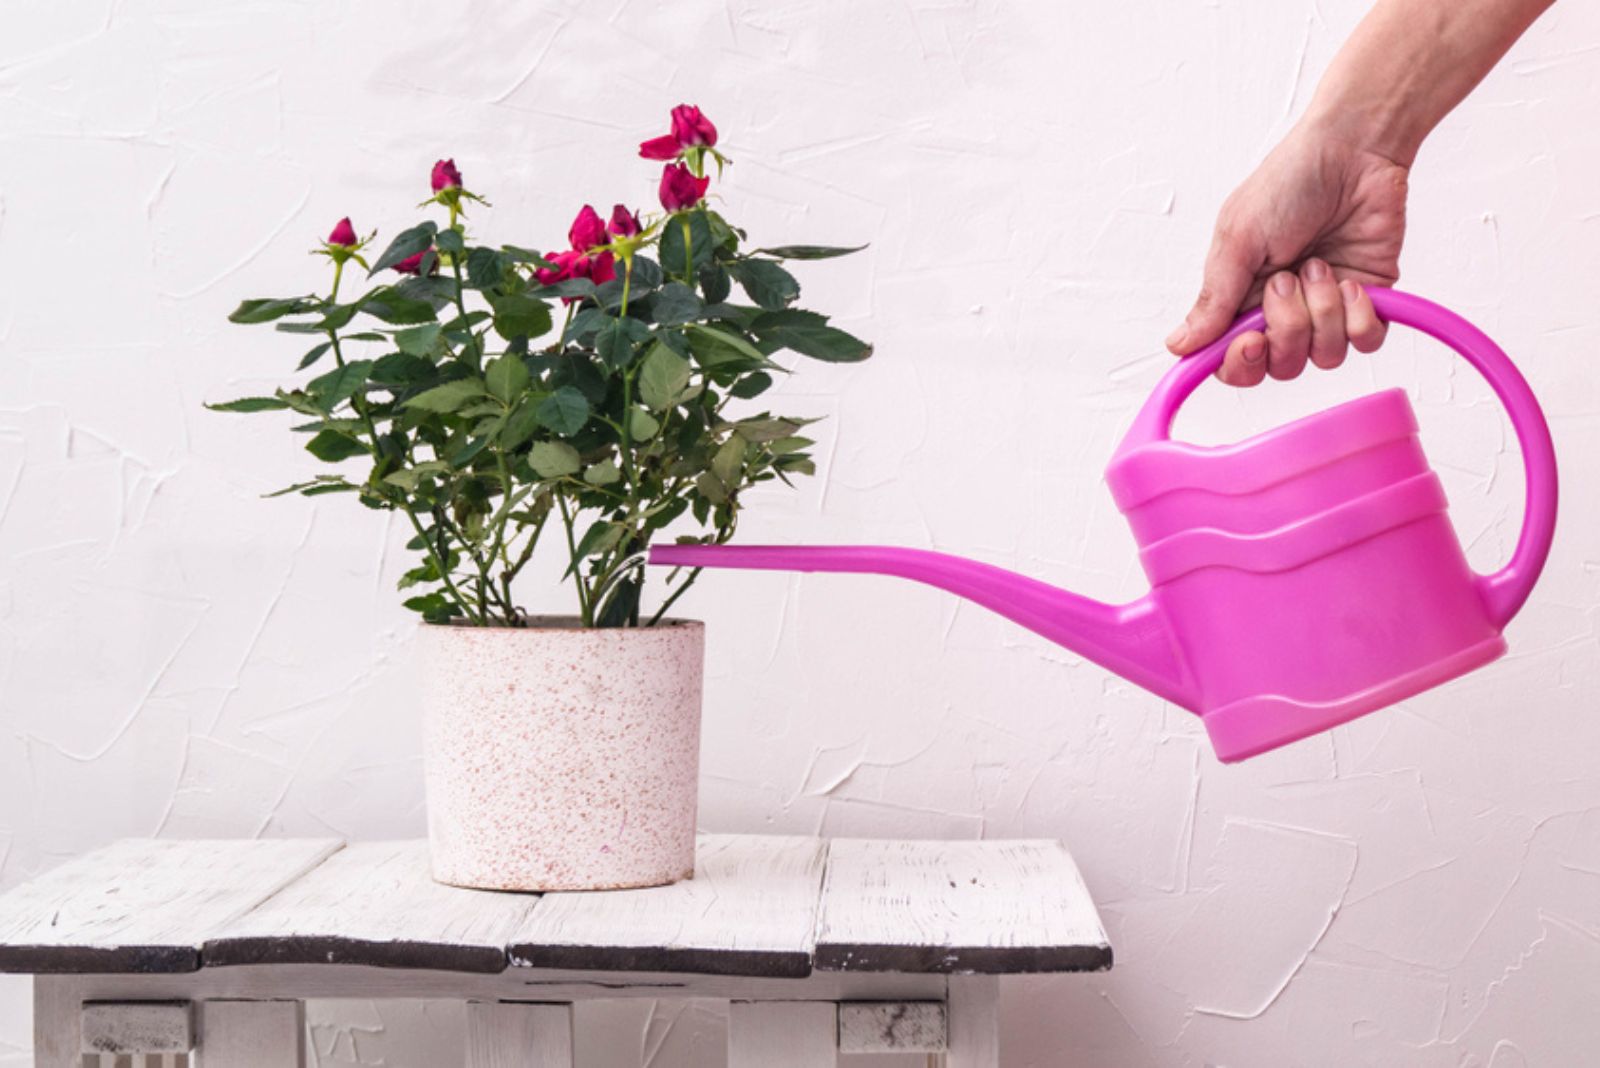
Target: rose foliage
501	397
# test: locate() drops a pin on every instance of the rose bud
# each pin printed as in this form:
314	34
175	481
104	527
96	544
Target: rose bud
587	230
445	175
344	234
664	147
692	129
680	189
624	223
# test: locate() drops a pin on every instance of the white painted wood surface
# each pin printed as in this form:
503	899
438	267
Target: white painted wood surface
783	1034
144	904
749	910
973	1009
979	906
252	1034
508	1034
892	1027
375	903
138	1027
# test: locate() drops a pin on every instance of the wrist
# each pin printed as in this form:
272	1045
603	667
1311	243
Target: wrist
1379	125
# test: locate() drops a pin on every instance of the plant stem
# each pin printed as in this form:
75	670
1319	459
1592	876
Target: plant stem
688	252
627	282
675	595
338	273
577	573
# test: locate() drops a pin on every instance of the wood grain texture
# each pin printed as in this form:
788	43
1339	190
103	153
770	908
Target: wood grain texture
375	903
143	905
750	910
783	1034
992	907
509	1034
892	1027
138	1027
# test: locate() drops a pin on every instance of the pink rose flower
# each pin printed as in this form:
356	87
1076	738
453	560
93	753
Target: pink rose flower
601	268
563	269
344	234
680	189
587	230
445	175
624	223
690	129
413	264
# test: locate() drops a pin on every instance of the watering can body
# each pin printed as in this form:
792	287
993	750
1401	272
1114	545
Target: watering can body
1299	578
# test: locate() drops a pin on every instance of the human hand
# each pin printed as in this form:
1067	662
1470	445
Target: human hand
1317	220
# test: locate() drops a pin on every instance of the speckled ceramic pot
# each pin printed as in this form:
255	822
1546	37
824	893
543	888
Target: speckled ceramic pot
559	758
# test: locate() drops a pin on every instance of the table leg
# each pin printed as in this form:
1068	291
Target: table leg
57	1023
252	1034
783	1034
974	1006
511	1034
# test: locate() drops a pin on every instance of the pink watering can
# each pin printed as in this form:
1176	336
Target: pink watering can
1299	579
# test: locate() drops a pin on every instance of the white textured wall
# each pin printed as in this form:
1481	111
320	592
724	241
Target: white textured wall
1038	180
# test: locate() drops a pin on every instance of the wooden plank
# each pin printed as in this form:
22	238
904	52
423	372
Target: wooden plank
138	1027
57	1018
143	905
993	907
974	1008
750	910
510	1034
375	903
783	1034
252	1034
892	1027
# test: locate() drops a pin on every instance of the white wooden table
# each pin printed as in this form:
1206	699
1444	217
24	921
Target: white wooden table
203	952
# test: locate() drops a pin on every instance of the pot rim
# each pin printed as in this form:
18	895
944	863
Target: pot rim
563	624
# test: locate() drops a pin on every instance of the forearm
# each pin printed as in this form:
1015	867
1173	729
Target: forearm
1409	63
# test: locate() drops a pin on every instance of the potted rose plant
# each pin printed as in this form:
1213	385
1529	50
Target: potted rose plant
503	400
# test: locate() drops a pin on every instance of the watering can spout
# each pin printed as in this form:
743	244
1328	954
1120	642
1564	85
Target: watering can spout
1132	640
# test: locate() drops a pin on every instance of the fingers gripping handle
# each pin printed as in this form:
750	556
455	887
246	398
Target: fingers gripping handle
1504	591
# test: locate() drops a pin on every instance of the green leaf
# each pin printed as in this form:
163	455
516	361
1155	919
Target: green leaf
676	303
469	451
521	424
314	355
662	378
751	385
485	268
264	311
506	377
602	474
729	461
715	347
808	252
783	446
768	284
597	539
419	340
565	411
672	250
646	274
401	369
808	334
613	345
767	429
408	244
521	316
448	397
715	283
331	446
338	385
336	481
392	306
449	240
642	426
251	404
553	459
711	488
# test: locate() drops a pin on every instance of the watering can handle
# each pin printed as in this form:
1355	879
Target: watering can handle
1504	591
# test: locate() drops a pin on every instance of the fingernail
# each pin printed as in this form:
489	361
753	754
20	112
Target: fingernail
1283	284
1253	351
1175	338
1316	270
1349	291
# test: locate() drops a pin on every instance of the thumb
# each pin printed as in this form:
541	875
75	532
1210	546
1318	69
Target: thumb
1230	269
